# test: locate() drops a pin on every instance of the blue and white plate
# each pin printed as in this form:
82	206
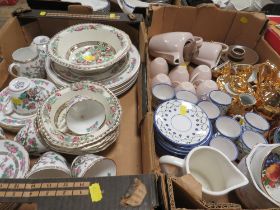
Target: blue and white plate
183	123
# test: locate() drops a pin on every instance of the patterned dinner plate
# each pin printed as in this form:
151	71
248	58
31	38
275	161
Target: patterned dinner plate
118	80
181	122
14	122
47	114
14	160
89	47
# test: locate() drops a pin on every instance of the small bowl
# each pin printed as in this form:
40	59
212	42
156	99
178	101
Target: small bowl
221	99
162	93
212	111
85	116
226	146
228	127
187	96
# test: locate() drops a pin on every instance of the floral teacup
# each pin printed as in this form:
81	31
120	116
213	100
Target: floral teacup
29	137
50	165
24	96
90	165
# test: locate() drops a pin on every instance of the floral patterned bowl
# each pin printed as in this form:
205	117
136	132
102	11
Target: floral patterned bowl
14	160
89	47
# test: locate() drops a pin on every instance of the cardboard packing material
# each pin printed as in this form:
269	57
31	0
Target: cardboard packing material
132	151
212	24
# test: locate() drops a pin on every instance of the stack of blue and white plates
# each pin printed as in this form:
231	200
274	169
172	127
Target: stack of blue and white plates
180	126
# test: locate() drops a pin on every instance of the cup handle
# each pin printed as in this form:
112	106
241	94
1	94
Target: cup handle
225	47
8	107
171	160
198	40
11	68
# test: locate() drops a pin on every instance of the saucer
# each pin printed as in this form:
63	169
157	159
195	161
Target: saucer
14	160
14	122
181	122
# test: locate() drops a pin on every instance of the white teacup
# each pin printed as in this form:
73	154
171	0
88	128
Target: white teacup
23	97
247	141
221	99
50	165
210	167
212	111
228	127
253	121
162	93
188	86
161	79
200	73
85	116
158	66
226	146
90	165
187	96
27	63
178	75
204	88
30	138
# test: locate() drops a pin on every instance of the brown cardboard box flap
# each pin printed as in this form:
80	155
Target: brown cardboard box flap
186	188
227	26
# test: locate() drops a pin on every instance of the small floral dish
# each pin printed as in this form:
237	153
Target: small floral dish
14	122
91	165
271	174
50	165
89	47
14	160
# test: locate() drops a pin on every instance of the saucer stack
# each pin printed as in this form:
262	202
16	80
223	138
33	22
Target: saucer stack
81	118
93	52
180	126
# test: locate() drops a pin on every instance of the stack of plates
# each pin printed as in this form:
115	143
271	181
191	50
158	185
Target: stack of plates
180	126
93	52
81	118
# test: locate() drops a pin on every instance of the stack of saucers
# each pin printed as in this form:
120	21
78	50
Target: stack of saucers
180	126
81	118
93	52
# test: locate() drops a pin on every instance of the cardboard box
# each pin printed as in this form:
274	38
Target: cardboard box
131	150
212	24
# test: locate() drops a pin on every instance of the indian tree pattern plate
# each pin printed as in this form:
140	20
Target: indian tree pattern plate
14	122
14	160
118	80
94	91
182	123
89	47
68	75
271	174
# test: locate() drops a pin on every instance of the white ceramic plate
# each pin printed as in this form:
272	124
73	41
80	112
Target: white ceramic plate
47	114
14	160
89	47
182	122
14	122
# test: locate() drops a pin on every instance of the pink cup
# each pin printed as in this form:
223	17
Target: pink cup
158	66
201	73
161	79
204	88
178	75
186	86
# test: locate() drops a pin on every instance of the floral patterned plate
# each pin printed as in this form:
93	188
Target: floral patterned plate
271	174
116	81
95	91
14	122
181	122
14	160
89	47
